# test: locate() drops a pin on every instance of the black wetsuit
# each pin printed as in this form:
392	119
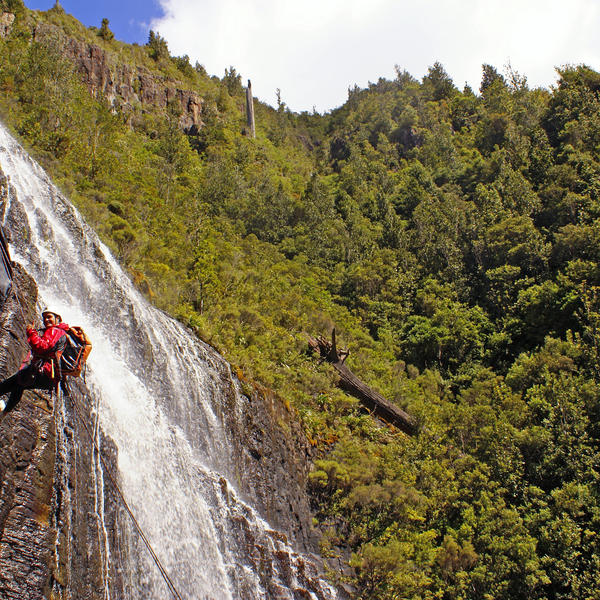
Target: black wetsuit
28	378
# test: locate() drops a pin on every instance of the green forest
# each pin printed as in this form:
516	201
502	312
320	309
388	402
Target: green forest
452	238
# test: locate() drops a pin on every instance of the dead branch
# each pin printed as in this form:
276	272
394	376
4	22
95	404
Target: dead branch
351	384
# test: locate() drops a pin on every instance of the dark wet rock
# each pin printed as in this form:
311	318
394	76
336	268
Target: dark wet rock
275	457
273	460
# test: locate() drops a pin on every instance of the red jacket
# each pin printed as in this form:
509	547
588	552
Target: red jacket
43	346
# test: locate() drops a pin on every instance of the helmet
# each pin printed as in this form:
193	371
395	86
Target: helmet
47	310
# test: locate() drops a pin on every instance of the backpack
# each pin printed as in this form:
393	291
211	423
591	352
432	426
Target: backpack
77	349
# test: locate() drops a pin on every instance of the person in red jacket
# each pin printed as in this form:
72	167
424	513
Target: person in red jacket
41	372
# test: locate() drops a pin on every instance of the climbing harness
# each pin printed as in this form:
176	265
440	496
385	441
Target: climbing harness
137	526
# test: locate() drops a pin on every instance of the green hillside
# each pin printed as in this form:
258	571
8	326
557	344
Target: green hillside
452	238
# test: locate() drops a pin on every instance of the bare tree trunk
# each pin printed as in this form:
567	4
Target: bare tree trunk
351	384
250	111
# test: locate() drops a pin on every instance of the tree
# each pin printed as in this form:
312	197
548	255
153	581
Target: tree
437	84
157	46
233	81
574	114
15	7
490	77
516	81
184	65
105	33
57	7
174	149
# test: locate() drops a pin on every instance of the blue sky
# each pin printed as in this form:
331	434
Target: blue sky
314	50
129	19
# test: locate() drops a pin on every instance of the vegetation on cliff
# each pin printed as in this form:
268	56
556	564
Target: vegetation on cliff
453	239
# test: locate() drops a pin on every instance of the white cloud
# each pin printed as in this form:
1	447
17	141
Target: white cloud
314	50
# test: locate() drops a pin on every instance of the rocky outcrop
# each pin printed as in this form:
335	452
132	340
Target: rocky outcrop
273	461
274	457
53	537
127	88
6	22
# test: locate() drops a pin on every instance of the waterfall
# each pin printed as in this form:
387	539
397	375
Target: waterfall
161	395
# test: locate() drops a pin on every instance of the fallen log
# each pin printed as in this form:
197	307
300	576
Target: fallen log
352	385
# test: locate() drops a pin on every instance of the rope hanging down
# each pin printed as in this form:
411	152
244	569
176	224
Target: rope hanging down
107	470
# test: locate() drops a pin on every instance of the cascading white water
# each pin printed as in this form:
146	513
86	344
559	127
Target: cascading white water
159	396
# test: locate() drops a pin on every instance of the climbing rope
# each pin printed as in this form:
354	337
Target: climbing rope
108	471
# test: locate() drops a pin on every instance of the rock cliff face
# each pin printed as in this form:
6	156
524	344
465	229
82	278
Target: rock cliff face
274	457
52	542
6	23
127	88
